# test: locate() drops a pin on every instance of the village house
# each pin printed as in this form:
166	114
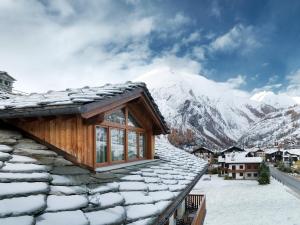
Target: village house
6	82
290	156
90	156
273	154
258	152
204	153
239	165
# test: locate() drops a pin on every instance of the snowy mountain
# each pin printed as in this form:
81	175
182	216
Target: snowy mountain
281	100
282	127
216	112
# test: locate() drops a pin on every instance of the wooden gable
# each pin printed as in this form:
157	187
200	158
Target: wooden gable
74	134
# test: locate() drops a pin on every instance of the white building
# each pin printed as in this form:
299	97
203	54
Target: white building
239	165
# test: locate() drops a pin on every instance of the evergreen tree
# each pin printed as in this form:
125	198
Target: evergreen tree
264	174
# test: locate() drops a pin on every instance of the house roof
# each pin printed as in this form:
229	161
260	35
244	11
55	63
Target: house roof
199	148
270	151
6	74
293	151
239	157
232	148
39	187
76	101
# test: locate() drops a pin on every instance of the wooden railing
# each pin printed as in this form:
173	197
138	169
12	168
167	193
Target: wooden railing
197	204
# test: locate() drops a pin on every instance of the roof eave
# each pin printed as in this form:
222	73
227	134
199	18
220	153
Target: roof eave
171	209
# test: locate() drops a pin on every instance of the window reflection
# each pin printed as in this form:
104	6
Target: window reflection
116	117
132	121
132	145
101	144
142	145
117	144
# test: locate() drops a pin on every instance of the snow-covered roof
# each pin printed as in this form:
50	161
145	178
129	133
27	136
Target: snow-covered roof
239	157
271	150
70	101
254	149
232	148
39	187
293	151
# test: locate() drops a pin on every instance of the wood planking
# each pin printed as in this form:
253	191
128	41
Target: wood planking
69	134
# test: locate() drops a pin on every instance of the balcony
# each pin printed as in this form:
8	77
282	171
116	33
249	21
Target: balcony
195	210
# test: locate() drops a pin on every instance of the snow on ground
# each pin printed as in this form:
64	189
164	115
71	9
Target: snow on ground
233	202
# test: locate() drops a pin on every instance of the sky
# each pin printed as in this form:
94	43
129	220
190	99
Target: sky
51	45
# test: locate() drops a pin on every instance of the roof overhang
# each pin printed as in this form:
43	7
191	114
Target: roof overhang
89	110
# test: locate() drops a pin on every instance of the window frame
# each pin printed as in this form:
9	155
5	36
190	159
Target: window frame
111	125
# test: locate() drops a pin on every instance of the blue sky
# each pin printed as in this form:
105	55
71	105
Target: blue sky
57	44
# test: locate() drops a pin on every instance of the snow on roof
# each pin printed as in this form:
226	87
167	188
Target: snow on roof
39	187
293	151
20	105
232	148
239	157
271	150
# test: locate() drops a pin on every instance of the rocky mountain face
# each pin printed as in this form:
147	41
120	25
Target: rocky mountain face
216	113
281	127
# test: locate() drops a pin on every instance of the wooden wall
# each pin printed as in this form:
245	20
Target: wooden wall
68	133
73	136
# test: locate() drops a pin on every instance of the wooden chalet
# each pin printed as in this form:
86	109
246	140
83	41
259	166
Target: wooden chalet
6	81
203	153
94	127
104	129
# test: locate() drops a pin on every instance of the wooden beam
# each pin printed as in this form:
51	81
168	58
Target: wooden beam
95	108
94	120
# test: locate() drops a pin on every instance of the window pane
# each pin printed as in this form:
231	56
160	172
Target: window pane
142	145
101	144
117	144
132	122
132	145
116	117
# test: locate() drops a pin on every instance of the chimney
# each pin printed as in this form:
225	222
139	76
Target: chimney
6	82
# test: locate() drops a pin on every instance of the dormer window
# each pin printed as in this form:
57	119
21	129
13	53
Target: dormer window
120	138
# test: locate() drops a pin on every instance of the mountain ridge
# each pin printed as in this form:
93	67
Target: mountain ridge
216	112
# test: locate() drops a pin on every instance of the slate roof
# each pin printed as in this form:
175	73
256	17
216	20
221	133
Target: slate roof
69	101
7	75
232	148
39	187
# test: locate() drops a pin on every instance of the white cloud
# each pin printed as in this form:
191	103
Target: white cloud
240	38
269	87
199	52
236	82
71	44
179	20
215	9
293	87
195	36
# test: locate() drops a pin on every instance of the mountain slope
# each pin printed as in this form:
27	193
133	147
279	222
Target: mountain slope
281	127
217	113
280	100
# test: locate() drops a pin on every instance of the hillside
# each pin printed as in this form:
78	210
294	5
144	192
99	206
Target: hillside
217	113
281	127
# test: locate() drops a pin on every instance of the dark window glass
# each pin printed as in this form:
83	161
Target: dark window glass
241	167
132	145
116	117
101	144
241	174
132	122
117	144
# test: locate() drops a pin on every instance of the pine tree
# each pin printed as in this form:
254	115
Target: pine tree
264	174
